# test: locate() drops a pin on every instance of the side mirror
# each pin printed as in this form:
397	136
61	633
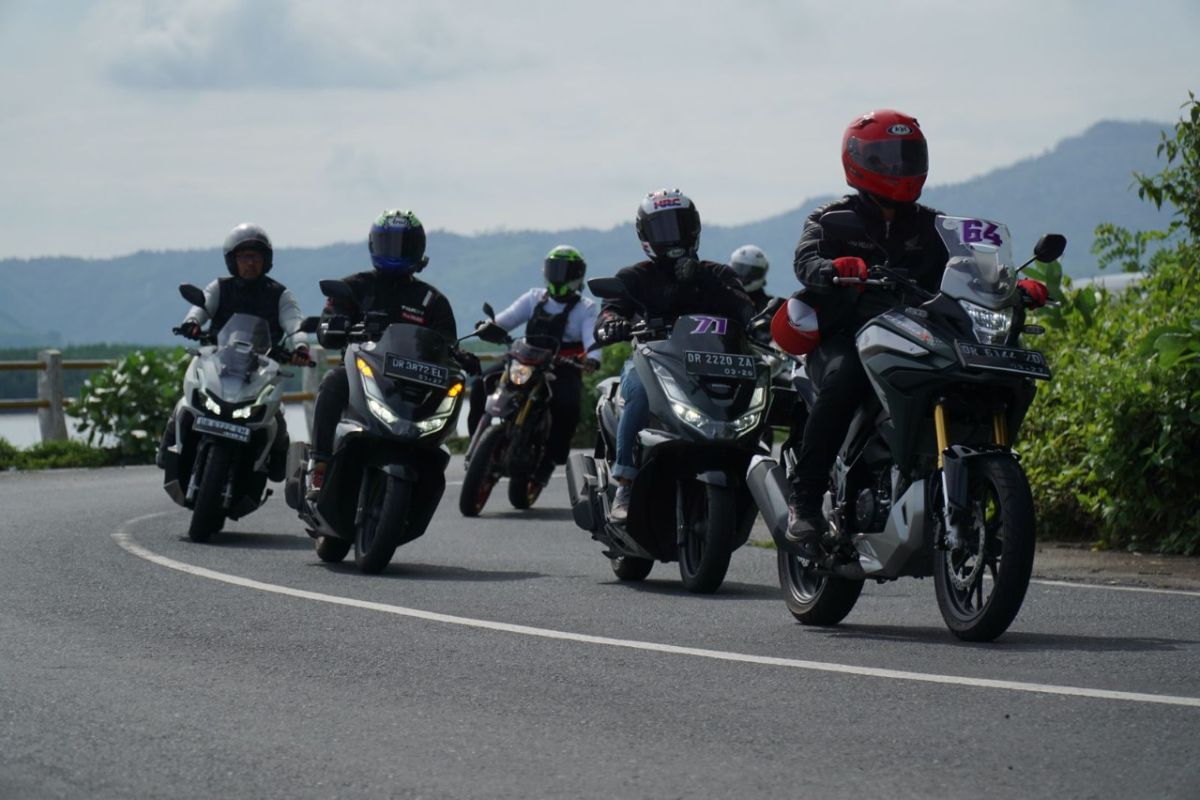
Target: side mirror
193	294
607	288
1049	247
338	290
493	334
489	312
842	225
310	324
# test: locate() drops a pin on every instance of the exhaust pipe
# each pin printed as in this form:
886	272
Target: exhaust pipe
769	488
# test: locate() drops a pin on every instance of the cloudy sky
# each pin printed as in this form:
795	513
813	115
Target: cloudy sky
156	124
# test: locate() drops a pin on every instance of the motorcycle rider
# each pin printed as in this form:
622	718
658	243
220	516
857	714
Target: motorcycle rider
885	157
396	243
751	265
559	312
248	258
669	284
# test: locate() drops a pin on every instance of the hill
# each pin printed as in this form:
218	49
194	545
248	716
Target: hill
1081	182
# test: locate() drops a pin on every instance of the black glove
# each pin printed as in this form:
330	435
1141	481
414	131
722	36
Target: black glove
469	361
613	329
591	365
760	334
685	269
189	330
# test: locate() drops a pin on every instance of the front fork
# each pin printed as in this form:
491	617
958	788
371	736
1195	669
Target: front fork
952	510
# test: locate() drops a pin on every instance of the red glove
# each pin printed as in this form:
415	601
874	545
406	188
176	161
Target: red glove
1035	292
851	267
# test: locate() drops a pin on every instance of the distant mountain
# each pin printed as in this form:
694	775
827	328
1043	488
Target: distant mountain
1083	181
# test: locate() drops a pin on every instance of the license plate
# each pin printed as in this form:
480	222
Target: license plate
406	369
219	427
719	365
1030	363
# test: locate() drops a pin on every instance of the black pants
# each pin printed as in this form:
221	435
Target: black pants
842	385
564	406
332	399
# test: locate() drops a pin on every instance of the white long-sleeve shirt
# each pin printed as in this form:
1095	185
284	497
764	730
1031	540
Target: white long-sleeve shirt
581	322
290	315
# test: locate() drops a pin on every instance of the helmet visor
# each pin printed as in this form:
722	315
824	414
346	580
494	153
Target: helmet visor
398	244
895	158
561	271
664	228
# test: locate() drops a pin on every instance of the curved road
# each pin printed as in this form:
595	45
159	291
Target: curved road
498	657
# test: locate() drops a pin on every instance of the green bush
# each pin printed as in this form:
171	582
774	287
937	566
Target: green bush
128	403
1112	444
10	455
612	359
58	455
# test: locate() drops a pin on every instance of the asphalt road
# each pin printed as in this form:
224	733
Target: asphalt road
498	657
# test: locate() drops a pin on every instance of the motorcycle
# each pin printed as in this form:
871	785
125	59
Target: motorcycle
386	474
510	440
709	394
226	427
927	481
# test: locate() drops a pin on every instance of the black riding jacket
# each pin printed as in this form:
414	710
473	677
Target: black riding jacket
403	299
910	243
714	289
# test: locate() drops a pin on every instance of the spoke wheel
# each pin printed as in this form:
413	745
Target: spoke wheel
981	584
815	599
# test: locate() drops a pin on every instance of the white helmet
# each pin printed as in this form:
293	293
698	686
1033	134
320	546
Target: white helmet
750	264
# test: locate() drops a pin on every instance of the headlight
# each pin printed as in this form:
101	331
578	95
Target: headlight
432	424
380	410
689	415
244	412
211	405
990	327
519	373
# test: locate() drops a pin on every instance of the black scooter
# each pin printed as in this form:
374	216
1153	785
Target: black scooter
386	474
709	394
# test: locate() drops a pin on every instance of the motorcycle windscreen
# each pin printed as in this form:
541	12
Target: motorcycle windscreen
240	342
710	366
533	350
980	268
416	366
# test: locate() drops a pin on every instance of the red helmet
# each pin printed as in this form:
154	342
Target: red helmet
884	153
794	327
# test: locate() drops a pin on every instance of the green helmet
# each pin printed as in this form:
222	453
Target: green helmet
564	271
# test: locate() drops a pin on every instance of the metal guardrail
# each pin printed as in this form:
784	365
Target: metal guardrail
50	402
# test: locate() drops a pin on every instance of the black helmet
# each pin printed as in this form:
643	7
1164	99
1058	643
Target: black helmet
564	270
668	224
397	243
247	236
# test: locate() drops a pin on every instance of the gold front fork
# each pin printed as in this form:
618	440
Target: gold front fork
939	424
1000	428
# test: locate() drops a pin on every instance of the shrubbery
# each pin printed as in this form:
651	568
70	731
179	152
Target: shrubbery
52	455
127	404
1112	444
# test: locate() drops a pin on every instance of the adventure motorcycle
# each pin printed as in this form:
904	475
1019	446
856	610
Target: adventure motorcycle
927	481
225	444
386	474
510	440
709	394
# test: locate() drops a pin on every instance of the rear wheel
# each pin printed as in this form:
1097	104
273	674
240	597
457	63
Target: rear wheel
208	513
482	474
815	599
332	550
709	519
980	585
382	528
629	568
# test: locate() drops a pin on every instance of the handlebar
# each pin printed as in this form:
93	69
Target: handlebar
840	281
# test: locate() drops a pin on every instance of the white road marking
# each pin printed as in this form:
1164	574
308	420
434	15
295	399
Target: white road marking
1073	585
125	540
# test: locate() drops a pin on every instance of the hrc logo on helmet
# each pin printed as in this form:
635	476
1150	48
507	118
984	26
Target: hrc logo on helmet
666	202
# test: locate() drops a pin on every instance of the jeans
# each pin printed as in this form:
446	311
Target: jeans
633	418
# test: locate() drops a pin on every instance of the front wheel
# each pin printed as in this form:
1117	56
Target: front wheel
208	513
523	491
386	508
709	518
980	585
815	599
482	473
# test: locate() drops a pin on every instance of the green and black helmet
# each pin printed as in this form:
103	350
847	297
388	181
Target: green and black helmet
564	272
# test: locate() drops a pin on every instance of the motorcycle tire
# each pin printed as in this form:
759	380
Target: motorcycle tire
482	474
388	502
208	513
1001	542
523	491
813	599
331	549
630	568
711	513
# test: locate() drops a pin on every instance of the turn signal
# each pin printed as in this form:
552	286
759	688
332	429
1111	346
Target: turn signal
455	390
364	368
